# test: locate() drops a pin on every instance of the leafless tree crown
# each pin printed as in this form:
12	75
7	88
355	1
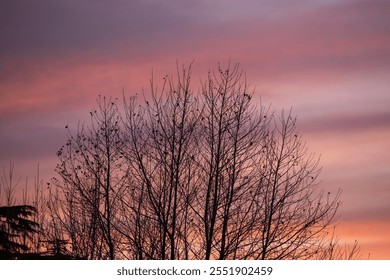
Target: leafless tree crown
184	174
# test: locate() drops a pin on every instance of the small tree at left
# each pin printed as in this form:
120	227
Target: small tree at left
16	230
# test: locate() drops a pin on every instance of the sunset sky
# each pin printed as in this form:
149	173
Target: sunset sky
328	60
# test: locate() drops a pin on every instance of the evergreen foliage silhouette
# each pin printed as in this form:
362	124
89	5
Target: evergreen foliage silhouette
16	229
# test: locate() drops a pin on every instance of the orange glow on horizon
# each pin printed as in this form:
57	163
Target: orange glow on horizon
373	237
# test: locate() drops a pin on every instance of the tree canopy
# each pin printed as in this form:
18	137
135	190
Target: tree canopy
183	173
192	174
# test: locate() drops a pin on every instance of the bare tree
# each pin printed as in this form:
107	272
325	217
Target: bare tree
331	249
187	175
37	198
90	182
8	185
160	150
295	213
232	132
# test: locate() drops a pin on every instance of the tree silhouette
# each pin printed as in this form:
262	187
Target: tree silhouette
16	228
186	175
90	169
